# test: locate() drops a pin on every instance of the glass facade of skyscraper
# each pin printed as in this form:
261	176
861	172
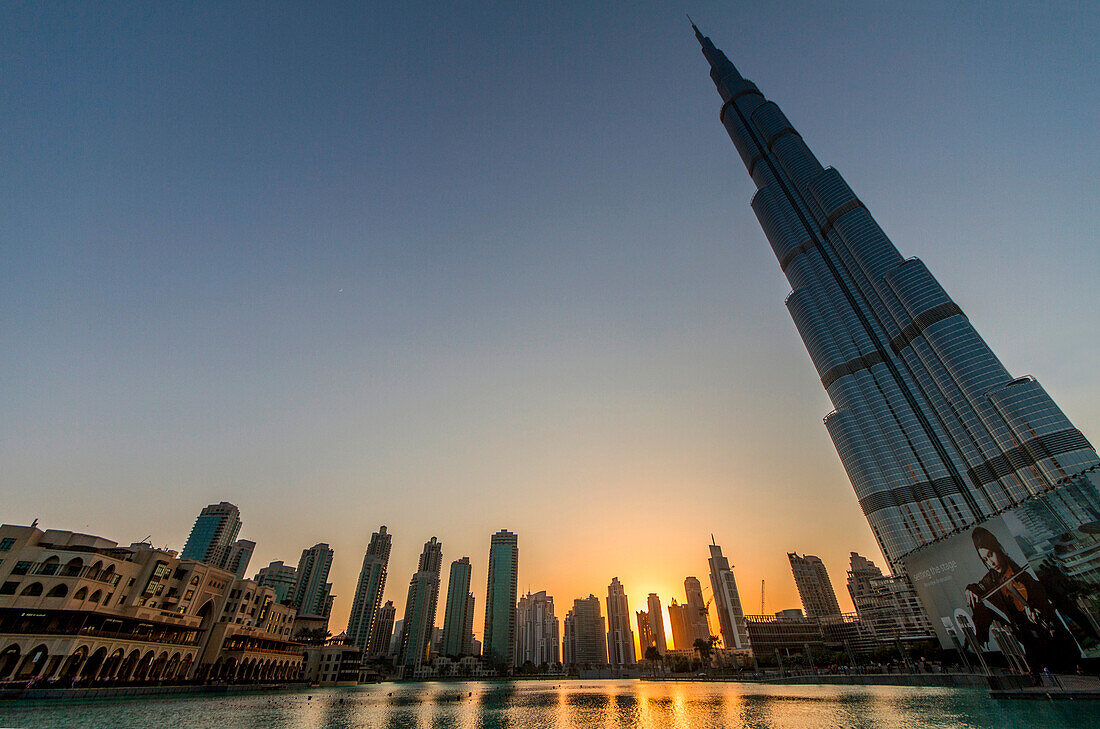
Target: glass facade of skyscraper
458	616
964	472
500	599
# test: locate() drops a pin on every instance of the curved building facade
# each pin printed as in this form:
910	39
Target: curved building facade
936	436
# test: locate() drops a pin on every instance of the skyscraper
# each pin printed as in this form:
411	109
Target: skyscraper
620	638
500	600
280	577
458	618
645	635
368	591
696	610
420	607
569	639
727	602
861	575
657	623
935	434
213	534
585	643
536	630
382	632
887	604
313	591
238	556
678	617
814	587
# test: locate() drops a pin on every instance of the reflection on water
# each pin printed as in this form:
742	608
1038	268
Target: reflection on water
566	705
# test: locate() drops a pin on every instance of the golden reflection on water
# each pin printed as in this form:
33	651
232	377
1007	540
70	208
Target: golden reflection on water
567	704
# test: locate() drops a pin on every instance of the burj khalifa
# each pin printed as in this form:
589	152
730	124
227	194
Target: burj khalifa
935	434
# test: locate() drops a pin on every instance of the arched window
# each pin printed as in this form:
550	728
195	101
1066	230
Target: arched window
32	590
50	565
96	595
58	590
81	593
72	567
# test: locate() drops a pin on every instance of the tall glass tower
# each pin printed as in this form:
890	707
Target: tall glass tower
458	619
313	592
213	534
420	606
500	599
934	433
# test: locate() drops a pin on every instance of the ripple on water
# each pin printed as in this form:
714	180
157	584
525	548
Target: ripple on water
566	705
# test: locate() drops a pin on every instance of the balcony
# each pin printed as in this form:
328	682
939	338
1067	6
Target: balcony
56	569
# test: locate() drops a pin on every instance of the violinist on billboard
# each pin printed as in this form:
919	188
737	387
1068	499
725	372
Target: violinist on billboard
1010	595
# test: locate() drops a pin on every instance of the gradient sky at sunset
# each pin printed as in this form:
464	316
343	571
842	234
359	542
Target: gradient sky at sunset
453	269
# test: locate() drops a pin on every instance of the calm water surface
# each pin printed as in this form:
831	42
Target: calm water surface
568	704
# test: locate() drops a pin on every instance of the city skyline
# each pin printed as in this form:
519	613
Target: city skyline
102	341
291	588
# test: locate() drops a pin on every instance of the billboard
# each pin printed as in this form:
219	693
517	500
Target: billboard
1025	584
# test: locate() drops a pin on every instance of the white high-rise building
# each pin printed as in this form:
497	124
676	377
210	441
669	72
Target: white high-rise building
620	637
537	637
727	603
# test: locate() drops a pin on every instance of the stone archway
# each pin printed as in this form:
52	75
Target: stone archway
90	671
111	665
229	669
141	672
184	668
156	670
126	670
170	668
73	567
207	616
9	661
71	668
32	663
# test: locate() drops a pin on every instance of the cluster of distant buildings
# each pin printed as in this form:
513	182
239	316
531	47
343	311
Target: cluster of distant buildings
79	609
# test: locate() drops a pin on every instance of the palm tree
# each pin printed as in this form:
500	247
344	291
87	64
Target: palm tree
706	647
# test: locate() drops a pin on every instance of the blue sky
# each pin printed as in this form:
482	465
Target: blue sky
454	268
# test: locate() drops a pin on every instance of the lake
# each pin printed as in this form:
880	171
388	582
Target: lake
563	704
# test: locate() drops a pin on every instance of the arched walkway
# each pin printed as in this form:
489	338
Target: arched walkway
9	660
32	664
71	668
141	673
126	672
157	669
111	666
184	669
90	671
170	668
